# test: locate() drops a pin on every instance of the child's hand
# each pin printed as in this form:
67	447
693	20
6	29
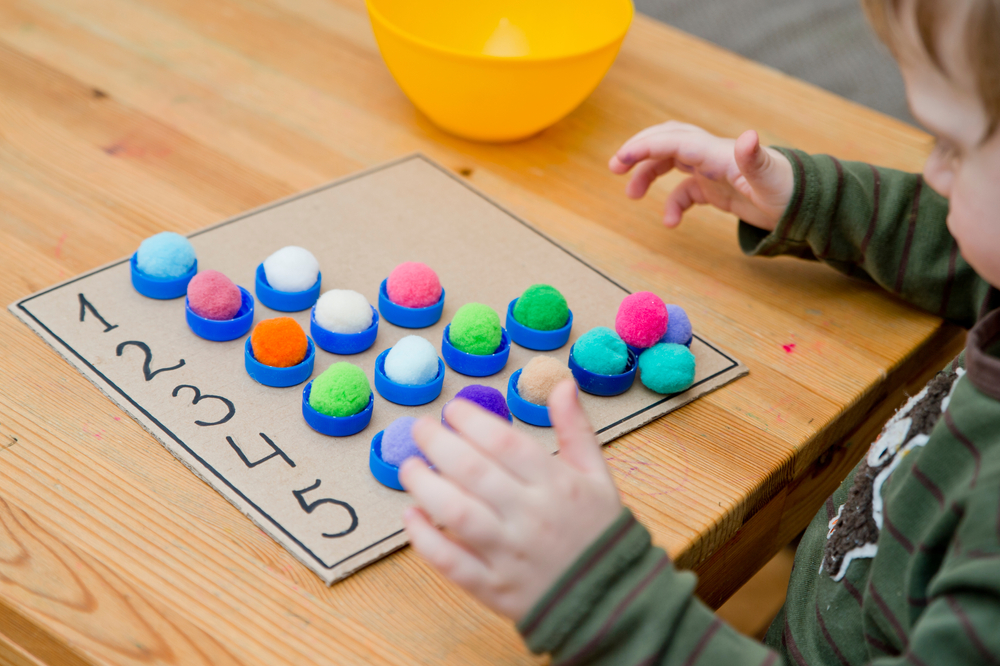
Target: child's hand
738	176
513	517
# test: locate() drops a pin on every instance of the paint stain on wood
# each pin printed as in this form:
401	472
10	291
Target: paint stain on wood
465	171
129	147
789	348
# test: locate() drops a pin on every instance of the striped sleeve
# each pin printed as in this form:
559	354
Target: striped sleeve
877	224
624	603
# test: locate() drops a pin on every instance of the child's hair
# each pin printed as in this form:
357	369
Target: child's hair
982	39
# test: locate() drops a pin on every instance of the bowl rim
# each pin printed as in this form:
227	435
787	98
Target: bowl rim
410	37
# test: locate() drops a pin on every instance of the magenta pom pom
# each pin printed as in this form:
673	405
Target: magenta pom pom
642	319
413	285
214	296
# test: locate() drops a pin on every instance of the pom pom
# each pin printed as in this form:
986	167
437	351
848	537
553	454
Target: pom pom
279	342
539	377
642	319
412	361
397	442
475	329
486	397
344	311
667	368
342	390
679	330
601	351
542	308
413	285
291	269
165	255
214	296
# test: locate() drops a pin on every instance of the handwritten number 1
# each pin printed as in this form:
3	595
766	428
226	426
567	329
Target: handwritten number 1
309	507
87	305
146	372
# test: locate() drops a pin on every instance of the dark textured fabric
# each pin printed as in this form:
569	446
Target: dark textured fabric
922	585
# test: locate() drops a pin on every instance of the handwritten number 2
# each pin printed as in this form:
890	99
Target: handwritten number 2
146	372
309	507
198	397
87	305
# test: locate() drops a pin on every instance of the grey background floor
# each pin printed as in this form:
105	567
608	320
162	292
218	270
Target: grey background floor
826	42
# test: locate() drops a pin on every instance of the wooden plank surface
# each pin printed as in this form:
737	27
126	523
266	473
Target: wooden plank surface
120	118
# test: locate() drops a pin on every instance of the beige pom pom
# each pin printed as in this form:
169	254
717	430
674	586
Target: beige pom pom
539	377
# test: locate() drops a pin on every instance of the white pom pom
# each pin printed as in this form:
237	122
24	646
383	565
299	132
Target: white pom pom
343	311
412	361
291	269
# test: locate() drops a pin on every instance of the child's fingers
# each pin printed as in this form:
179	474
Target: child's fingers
520	455
644	175
449	558
577	444
684	196
465	465
464	515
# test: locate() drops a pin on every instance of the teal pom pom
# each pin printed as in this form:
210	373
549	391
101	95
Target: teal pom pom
165	255
667	368
601	351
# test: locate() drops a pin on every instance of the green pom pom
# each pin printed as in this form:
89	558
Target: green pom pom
601	351
542	308
475	329
342	390
667	368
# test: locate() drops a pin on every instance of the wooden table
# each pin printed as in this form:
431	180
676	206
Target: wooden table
121	118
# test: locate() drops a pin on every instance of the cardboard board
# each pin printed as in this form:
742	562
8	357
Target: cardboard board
314	494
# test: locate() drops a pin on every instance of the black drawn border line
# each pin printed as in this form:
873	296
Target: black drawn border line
290	199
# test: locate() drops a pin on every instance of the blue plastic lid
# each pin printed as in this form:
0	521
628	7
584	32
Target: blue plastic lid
532	338
384	473
529	412
336	426
279	377
285	301
344	343
226	329
401	394
405	317
605	385
160	288
475	365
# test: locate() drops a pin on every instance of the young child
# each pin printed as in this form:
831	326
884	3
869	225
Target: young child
903	563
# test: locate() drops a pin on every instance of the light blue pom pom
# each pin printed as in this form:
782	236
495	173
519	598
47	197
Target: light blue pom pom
165	255
601	351
412	361
667	368
679	330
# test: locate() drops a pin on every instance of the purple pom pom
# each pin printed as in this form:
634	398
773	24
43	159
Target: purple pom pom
679	330
486	397
397	442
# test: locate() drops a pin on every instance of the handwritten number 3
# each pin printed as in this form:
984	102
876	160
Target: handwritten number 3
309	507
146	372
198	397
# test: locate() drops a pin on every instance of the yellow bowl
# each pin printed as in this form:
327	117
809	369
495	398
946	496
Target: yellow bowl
498	70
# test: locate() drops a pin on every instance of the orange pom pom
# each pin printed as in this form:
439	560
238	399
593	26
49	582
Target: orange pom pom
279	342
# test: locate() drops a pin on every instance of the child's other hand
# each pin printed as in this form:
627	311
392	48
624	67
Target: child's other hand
738	176
513	518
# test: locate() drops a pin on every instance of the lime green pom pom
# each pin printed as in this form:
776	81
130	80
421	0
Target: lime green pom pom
667	368
475	329
342	390
542	308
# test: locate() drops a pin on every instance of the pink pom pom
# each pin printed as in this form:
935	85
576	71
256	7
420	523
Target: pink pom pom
413	285
642	319
214	296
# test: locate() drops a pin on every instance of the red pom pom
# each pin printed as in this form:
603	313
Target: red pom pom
413	285
642	319
214	296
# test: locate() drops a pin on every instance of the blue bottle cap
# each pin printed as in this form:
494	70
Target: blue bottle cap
226	329
279	377
401	394
157	287
475	365
384	473
343	343
285	301
405	317
605	385
529	412
336	426
532	338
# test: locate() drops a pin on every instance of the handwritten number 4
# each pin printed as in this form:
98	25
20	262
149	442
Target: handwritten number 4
309	507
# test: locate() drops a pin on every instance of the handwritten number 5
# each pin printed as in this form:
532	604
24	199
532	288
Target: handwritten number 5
198	397
309	507
146	372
